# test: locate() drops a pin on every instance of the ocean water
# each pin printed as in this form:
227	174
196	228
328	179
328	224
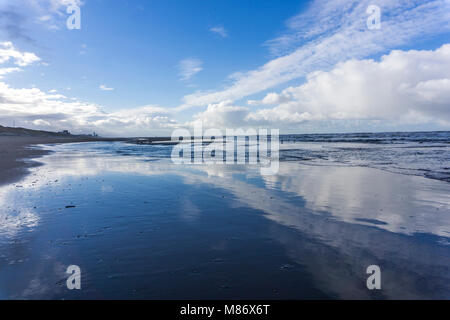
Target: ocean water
424	154
418	153
142	227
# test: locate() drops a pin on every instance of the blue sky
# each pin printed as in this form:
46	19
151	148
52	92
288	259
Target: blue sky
136	47
146	67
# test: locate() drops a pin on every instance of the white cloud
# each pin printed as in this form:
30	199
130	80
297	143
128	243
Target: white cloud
58	5
9	53
23	15
83	49
41	123
189	68
36	109
105	88
220	30
403	85
4	71
403	88
222	115
45	18
331	32
409	86
271	98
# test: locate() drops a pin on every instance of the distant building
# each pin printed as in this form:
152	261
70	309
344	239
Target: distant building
64	132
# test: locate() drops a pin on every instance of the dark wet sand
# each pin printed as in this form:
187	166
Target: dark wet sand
16	153
141	229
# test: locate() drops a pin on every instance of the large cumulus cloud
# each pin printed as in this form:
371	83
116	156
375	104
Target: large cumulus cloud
410	86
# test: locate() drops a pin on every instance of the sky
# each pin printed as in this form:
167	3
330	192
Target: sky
146	68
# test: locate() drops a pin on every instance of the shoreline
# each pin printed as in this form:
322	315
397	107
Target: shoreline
16	153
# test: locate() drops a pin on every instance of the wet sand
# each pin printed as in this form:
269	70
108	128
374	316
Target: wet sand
140	228
16	152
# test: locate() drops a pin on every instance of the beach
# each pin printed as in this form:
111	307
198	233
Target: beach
16	152
142	227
